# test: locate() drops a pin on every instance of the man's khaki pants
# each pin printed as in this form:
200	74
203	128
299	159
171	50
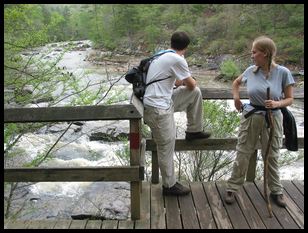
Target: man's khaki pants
161	122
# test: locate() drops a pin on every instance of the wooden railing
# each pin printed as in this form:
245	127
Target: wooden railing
133	173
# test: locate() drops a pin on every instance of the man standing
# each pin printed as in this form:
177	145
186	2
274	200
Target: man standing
161	100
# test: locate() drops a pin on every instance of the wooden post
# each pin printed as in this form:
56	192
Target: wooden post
142	158
135	142
155	170
251	171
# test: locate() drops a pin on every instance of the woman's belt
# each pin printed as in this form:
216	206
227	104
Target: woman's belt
260	108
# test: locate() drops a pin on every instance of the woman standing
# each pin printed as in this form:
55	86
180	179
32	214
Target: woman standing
254	124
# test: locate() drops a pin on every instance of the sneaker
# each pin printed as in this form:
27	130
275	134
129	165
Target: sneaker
197	135
229	197
176	190
278	199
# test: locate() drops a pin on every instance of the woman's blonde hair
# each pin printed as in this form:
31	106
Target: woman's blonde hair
267	46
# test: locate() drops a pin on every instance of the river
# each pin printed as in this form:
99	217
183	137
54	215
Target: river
101	200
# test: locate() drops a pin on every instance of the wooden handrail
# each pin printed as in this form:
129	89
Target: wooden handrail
109	112
78	113
209	144
73	174
226	93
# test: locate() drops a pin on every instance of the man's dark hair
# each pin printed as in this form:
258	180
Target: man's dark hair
179	40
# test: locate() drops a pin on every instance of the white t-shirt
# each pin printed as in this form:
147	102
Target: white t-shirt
159	94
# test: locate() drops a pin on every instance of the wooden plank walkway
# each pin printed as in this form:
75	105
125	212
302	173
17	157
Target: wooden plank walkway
204	208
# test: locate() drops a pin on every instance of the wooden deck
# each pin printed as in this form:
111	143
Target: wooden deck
203	208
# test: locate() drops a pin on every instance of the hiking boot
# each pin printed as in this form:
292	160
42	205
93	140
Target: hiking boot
176	190
197	135
229	197
278	199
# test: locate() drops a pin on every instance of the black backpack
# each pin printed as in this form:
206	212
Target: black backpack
137	75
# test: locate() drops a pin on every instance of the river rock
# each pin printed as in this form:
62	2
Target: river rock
103	200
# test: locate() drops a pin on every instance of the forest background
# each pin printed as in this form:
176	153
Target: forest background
214	28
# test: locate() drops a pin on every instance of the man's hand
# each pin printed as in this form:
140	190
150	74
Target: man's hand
179	83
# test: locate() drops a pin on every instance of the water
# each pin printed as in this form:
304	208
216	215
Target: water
111	200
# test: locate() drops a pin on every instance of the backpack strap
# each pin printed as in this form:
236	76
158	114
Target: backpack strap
157	80
156	55
163	52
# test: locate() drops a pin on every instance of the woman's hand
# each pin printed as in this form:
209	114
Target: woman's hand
272	104
238	104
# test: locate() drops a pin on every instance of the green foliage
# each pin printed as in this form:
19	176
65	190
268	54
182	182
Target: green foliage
240	45
219	119
13	131
123	154
116	96
23	28
85	97
229	69
152	34
40	157
9	131
292	49
215	28
216	47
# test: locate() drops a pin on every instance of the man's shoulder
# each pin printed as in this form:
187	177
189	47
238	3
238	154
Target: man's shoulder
176	58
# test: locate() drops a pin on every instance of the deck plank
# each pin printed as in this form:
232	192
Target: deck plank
173	217
249	211
260	205
62	224
296	195
219	212
281	214
94	224
203	208
144	221
109	224
157	208
41	224
299	184
15	224
236	216
126	224
78	224
294	211
188	212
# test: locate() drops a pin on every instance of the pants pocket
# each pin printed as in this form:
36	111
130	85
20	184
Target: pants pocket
243	130
278	132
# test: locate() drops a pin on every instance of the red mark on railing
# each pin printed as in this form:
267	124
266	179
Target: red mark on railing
134	140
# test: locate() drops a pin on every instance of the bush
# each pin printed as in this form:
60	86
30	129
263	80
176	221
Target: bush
229	69
210	165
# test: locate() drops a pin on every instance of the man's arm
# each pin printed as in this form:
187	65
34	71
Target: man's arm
190	83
